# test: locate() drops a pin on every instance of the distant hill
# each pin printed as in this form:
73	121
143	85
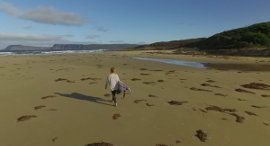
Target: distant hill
61	47
21	47
257	35
172	44
253	40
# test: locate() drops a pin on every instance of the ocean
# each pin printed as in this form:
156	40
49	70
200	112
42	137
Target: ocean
12	53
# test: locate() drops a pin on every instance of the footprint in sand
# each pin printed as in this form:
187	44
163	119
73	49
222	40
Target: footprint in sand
139	100
116	116
54	139
26	117
39	107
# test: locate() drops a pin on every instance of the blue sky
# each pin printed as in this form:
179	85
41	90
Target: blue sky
43	23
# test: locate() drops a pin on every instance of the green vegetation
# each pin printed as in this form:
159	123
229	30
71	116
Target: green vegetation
257	35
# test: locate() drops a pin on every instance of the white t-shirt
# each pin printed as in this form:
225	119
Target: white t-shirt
112	80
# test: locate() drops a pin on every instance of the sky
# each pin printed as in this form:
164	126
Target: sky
48	22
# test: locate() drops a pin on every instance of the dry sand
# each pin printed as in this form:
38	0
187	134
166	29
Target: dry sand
60	100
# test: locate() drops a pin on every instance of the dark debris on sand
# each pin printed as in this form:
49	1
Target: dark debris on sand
39	107
209	85
89	78
26	117
220	94
210	81
116	116
243	91
266	124
135	79
201	135
198	89
173	102
99	144
265	96
155	70
202	110
151	95
143	69
160	81
49	96
161	145
256	106
148	83
240	99
62	79
148	104
260	86
144	74
239	119
216	108
250	113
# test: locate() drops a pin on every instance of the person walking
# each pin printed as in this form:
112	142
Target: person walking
112	81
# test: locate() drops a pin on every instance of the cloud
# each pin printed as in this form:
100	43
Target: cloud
91	36
9	9
45	14
31	39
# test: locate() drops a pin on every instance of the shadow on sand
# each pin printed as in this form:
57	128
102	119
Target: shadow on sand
79	96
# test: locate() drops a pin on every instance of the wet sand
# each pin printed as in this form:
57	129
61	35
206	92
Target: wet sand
61	100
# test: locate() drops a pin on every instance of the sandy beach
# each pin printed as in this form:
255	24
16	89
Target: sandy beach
60	100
